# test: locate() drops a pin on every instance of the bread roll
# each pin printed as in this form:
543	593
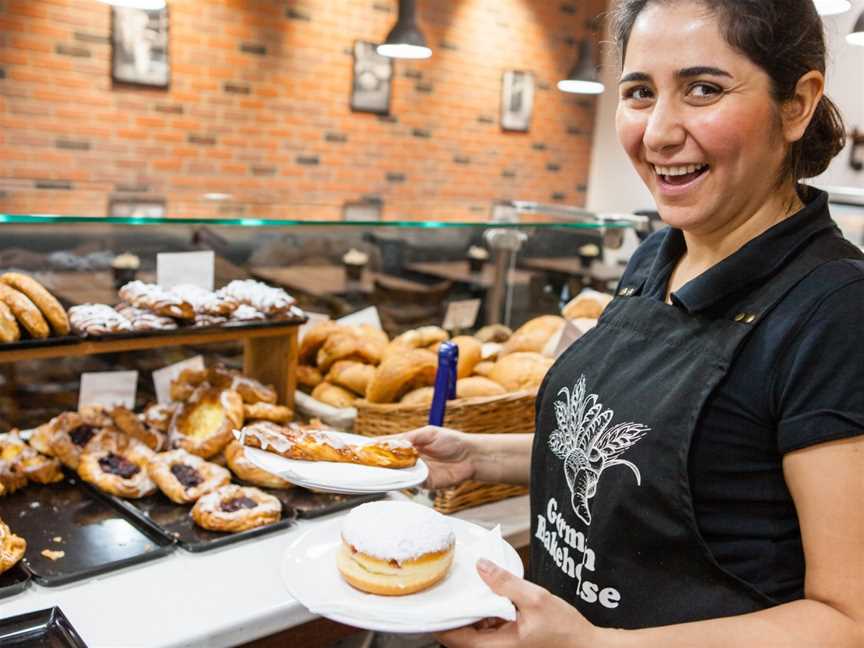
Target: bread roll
469	354
494	333
425	337
521	370
9	331
419	396
308	378
44	300
476	386
586	305
333	395
315	338
351	375
483	368
533	335
399	373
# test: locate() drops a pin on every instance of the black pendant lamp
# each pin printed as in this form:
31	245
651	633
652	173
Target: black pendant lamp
583	78
405	40
856	36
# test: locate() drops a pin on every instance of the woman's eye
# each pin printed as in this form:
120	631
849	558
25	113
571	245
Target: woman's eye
703	90
639	93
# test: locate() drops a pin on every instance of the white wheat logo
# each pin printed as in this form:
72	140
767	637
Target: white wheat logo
587	445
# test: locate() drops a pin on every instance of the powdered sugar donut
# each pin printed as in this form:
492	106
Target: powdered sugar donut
395	548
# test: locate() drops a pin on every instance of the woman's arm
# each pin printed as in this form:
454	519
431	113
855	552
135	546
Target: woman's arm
827	484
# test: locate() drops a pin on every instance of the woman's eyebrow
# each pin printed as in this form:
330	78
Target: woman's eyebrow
701	70
634	76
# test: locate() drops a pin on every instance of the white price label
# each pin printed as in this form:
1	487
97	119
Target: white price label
175	268
108	388
162	377
366	316
314	318
461	314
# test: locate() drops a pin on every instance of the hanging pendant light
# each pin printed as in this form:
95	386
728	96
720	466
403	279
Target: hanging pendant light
832	7
856	36
583	77
405	40
149	5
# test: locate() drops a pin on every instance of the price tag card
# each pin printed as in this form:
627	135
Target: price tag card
314	318
174	268
365	316
461	314
162	377
569	334
108	388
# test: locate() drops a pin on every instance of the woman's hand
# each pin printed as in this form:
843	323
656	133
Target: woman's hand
446	452
542	619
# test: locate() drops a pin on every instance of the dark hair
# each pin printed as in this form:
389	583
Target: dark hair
783	37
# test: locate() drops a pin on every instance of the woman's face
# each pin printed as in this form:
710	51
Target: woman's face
697	119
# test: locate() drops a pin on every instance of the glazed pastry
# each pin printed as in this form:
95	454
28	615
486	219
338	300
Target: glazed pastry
533	335
42	437
143	320
315	338
117	464
203	319
395	548
96	415
235	508
12	548
333	395
401	373
129	423
351	375
519	371
494	333
9	330
267	412
313	443
44	300
158	416
34	467
185	477
469	354
248	472
157	300
263	298
25	311
245	313
71	436
203	424
97	319
308	378
206	302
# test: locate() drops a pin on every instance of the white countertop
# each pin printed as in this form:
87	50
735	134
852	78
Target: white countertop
219	598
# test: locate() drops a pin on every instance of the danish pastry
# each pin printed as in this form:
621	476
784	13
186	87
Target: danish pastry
97	319
12	548
143	320
25	311
249	472
206	302
395	548
400	373
71	436
333	395
12	477
263	298
185	477
308	377
129	423
203	424
267	412
313	443
250	390
35	467
9	330
158	416
235	508
41	438
245	313
156	299
351	375
533	335
44	300
519	371
117	464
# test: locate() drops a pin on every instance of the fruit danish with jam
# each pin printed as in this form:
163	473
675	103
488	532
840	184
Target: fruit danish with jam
235	508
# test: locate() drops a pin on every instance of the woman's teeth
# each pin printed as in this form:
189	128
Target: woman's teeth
678	170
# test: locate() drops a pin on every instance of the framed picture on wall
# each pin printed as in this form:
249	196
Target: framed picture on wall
373	73
137	207
517	100
139	46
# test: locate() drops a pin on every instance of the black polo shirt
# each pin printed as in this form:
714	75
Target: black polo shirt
797	381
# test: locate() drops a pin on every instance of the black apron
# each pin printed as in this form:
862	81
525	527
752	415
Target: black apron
613	526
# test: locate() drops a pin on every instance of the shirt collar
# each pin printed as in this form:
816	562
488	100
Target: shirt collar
758	259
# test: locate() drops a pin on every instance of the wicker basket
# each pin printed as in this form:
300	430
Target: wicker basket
508	414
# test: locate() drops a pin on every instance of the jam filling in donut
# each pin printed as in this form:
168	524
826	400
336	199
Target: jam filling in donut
117	465
237	503
81	435
186	475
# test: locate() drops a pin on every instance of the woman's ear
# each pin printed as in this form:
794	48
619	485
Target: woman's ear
797	111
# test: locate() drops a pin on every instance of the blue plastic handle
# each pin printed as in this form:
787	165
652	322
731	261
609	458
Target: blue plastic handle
445	382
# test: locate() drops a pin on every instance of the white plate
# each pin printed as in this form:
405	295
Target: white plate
333	477
309	572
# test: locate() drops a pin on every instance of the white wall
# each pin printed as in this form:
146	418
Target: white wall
613	185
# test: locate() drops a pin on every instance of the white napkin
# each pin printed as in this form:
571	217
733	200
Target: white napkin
460	599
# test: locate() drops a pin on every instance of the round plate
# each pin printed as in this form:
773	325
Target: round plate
310	574
333	477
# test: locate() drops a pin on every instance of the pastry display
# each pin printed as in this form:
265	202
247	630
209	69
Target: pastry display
263	298
117	464
203	424
25	311
47	304
235	508
12	548
314	443
533	335
395	548
156	299
97	319
185	477
248	472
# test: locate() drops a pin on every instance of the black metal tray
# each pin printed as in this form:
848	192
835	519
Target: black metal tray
309	504
14	581
31	343
41	629
93	533
172	521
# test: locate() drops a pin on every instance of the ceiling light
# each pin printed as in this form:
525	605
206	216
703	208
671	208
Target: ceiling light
405	40
583	77
832	7
856	36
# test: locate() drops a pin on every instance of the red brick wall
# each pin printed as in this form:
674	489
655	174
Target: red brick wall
258	107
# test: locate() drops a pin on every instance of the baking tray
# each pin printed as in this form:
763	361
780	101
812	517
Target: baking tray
309	504
93	533
14	581
41	629
173	522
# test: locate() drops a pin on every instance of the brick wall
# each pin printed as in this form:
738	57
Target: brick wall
258	108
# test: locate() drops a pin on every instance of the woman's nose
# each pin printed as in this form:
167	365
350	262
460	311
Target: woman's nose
664	129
